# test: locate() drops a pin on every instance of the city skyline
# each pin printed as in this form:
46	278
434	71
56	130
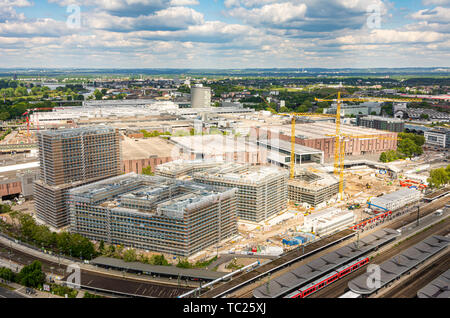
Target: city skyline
224	34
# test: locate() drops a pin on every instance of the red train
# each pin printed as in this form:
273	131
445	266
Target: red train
328	279
379	217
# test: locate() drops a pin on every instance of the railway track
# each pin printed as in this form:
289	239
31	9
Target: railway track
279	263
409	287
397	222
126	287
338	288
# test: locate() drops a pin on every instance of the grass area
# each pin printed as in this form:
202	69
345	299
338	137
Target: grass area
63	290
7	286
89	295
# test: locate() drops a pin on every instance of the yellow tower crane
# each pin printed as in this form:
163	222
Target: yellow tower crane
339	148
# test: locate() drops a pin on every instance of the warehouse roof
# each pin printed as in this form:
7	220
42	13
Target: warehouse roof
322	265
438	288
172	271
400	264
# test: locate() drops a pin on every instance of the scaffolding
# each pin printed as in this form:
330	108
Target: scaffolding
262	190
312	188
154	213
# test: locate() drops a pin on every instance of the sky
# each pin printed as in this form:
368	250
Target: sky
224	34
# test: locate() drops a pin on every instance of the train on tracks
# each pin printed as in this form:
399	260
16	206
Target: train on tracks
370	221
332	277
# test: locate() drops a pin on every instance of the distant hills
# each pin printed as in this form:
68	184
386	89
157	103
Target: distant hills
248	72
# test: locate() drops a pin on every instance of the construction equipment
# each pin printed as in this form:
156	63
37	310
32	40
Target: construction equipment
339	147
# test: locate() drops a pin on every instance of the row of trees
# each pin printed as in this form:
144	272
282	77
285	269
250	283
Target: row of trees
30	275
63	242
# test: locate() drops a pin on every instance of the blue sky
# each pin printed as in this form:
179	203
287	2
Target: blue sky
225	33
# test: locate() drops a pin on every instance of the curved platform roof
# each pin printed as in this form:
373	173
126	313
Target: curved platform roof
324	264
438	288
399	264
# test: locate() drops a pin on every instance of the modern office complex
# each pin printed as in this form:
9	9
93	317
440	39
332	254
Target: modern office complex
262	190
70	158
439	137
154	213
381	123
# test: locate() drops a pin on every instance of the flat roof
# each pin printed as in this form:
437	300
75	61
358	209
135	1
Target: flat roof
400	264
320	266
286	146
156	269
133	149
322	129
214	144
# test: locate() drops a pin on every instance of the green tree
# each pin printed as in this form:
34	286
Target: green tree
130	255
439	177
98	95
31	275
159	260
148	171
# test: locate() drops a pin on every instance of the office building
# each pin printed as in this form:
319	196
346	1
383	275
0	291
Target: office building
381	123
262	190
154	213
70	158
438	137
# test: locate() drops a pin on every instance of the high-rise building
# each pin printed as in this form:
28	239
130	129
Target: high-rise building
69	158
200	97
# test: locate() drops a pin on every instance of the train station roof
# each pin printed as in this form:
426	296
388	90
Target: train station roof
438	288
172	271
399	264
323	264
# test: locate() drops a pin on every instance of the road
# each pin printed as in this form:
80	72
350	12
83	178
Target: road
6	293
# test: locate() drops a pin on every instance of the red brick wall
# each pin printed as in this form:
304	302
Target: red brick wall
137	165
10	188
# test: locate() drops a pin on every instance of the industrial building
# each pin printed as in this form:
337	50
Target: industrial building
70	158
139	153
438	137
395	200
366	108
328	221
312	188
279	152
319	135
219	147
262	190
381	123
200	97
154	213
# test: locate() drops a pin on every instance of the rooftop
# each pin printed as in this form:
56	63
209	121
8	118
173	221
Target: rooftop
74	132
148	194
133	149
